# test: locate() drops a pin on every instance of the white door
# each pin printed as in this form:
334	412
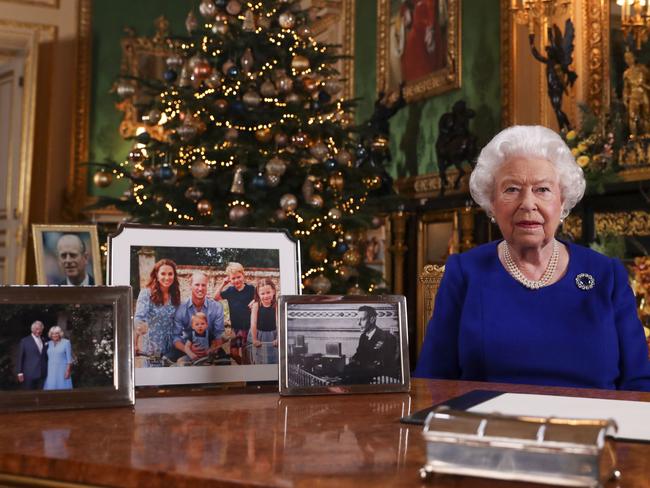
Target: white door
12	235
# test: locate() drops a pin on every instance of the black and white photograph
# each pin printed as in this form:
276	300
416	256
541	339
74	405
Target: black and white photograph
67	255
56	342
205	301
343	344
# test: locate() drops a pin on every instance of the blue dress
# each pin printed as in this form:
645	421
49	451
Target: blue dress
486	326
59	355
159	319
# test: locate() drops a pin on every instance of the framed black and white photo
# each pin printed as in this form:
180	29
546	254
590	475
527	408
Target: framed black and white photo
205	300
343	344
65	347
67	255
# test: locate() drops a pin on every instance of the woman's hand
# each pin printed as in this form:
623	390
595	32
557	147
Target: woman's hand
275	343
257	343
67	373
141	328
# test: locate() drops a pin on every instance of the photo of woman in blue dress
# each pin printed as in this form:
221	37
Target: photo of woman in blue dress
59	361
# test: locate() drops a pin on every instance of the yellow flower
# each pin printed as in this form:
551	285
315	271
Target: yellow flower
583	161
582	147
575	151
571	135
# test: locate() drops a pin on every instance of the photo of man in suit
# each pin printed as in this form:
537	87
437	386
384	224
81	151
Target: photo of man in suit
376	353
31	366
72	257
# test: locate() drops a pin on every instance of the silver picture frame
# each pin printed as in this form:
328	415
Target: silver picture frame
337	344
95	321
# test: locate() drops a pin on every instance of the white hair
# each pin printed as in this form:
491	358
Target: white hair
527	141
35	324
54	330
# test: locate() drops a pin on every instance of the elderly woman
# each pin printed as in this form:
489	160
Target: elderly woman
529	308
155	309
59	361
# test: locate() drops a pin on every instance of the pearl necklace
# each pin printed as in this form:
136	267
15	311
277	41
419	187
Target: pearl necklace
514	271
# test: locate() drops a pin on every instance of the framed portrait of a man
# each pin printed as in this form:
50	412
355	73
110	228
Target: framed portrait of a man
67	255
418	45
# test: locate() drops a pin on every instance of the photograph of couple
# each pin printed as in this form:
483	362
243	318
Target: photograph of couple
204	306
56	346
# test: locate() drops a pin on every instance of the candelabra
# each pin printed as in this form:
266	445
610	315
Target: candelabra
531	12
634	20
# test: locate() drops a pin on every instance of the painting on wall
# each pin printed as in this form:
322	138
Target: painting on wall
418	45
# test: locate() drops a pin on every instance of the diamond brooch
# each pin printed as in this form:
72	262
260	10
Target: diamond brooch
585	281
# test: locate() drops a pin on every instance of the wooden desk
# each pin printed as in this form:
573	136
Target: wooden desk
252	438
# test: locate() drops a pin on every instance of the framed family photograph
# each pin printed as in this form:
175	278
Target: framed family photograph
205	300
65	347
67	255
343	344
418	45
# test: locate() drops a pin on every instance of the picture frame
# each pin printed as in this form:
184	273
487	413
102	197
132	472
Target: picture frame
95	343
83	256
377	250
423	54
325	348
199	257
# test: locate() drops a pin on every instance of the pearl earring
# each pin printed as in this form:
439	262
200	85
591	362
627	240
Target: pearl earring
493	220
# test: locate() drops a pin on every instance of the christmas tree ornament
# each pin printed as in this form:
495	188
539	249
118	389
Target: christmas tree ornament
336	181
237	186
273	180
200	169
247	60
259	181
362	152
148	174
303	31
309	84
293	99
287	20
319	150
165	172
341	247
248	25
300	63
202	70
352	257
135	156
187	130
233	7
221	105
344	158
174	61
225	67
332	86
331	164
317	252
263	135
233	72
220	25
316	201
276	166
268	89
284	83
238	212
379	144
207	9
204	207
153	116
321	284
334	213
191	22
318	185
185	79
355	290
170	76
288	202
214	80
193	193
281	139
231	134
252	98
102	178
124	88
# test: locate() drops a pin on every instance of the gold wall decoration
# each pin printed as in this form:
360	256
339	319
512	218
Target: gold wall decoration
428	185
595	79
403	54
634	223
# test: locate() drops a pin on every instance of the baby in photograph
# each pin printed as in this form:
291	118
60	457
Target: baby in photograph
197	334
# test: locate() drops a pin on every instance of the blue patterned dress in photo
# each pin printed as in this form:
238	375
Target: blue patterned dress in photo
160	322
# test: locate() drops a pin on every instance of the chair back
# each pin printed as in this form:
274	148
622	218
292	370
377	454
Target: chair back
428	283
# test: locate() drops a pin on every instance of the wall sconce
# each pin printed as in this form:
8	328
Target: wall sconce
634	20
531	12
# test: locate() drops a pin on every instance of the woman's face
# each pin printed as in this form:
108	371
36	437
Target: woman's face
266	293
56	337
165	276
527	201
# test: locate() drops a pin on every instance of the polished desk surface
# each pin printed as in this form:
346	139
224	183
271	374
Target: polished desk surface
253	437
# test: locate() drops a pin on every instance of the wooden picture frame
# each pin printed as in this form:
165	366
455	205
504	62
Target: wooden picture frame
332	344
420	46
82	256
161	344
95	326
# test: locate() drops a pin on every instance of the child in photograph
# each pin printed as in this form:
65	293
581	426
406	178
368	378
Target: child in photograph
239	295
197	334
264	332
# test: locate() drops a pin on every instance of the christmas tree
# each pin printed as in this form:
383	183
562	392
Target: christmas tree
247	128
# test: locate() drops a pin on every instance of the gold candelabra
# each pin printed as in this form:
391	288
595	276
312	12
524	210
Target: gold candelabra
634	20
531	12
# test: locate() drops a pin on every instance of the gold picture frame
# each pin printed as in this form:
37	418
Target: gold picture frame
49	270
432	71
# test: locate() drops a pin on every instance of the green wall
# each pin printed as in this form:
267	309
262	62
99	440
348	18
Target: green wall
415	128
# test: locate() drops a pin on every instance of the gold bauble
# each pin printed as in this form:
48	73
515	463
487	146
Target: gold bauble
204	207
344	158
288	202
238	212
317	252
336	181
300	63
202	70
200	169
208	9
352	257
136	156
252	98
316	201
334	213
233	7
263	135
102	179
287	20
319	150
272	180
276	166
268	89
321	285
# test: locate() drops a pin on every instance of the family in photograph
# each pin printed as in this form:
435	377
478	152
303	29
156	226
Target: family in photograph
198	330
44	365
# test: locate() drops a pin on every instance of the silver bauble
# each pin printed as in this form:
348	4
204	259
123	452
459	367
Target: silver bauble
272	180
276	166
193	193
252	98
334	213
288	202
238	212
287	20
207	9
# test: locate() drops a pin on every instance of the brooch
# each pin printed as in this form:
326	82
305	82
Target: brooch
585	281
